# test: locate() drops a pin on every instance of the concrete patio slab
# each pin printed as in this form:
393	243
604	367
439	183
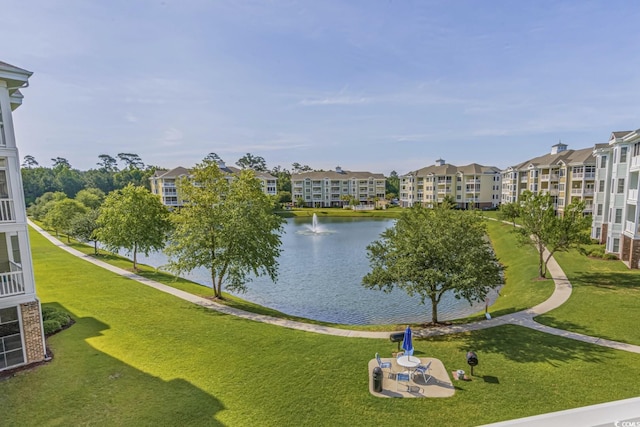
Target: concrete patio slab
438	386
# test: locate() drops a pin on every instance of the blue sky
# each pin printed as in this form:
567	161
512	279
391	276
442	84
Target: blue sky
366	85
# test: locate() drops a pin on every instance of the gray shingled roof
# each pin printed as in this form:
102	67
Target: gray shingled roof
581	156
336	175
180	171
620	134
449	169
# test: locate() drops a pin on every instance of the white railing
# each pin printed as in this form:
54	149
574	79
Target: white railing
6	210
635	162
633	195
555	176
11	283
576	191
544	177
577	175
590	175
630	226
588	191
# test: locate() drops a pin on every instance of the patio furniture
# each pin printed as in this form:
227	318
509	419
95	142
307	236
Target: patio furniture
384	365
424	371
404	377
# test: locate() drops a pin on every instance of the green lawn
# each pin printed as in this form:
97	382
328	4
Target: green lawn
137	356
604	301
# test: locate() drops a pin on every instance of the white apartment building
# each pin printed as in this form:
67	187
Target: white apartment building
334	188
565	174
615	222
21	332
163	183
471	187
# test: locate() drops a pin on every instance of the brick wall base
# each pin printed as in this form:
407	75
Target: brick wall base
33	334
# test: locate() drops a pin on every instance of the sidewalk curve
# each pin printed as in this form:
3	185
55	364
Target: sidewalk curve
524	318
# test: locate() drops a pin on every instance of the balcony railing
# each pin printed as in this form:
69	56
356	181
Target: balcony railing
7	213
633	195
544	177
576	191
630	226
635	162
11	283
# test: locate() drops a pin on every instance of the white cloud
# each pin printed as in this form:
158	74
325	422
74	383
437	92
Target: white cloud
129	117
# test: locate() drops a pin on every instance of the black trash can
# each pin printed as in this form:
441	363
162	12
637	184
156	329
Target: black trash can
377	379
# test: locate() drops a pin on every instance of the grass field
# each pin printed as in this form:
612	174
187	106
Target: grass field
140	357
604	301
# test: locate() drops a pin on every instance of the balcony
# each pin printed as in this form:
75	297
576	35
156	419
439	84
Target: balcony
633	195
635	163
7	213
577	175
577	191
544	177
630	227
12	282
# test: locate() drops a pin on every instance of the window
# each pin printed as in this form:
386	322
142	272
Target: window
601	186
623	154
620	185
603	162
618	219
598	232
616	245
599	211
11	353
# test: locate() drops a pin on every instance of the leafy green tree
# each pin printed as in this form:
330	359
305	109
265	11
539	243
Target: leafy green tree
213	157
107	163
509	212
135	176
392	184
36	182
29	162
61	214
284	179
39	209
542	228
84	227
68	180
300	202
99	178
431	252
131	160
226	226
298	168
133	219
61	162
249	161
449	202
92	198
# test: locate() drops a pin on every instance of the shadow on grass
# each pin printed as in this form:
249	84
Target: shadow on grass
524	345
608	280
120	393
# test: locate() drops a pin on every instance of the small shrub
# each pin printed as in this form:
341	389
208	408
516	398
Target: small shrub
609	256
53	320
51	326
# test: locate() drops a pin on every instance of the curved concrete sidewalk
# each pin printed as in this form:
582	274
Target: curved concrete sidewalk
523	318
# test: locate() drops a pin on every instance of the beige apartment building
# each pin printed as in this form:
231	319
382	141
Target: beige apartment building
21	332
336	188
565	174
471	187
163	182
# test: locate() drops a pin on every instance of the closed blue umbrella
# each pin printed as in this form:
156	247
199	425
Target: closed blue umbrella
407	343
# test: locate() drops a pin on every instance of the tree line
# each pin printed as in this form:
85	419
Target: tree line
113	173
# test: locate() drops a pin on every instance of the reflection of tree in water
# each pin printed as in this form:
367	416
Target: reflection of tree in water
86	386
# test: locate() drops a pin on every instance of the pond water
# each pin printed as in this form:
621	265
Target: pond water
320	276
